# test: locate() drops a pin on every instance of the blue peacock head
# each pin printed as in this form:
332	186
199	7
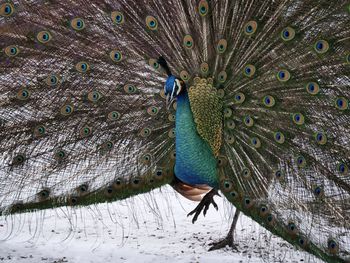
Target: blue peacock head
173	85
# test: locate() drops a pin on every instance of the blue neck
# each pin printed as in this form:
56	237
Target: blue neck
195	163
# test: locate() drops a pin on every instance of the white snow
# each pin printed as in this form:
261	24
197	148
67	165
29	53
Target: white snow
151	227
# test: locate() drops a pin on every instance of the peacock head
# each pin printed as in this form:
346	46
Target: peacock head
173	85
172	88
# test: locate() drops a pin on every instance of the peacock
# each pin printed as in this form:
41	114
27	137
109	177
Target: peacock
103	100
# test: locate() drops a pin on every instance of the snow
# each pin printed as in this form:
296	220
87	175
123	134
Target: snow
152	227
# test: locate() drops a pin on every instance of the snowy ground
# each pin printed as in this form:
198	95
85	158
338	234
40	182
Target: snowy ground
147	228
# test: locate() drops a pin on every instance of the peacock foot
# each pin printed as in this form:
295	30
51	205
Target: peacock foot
204	205
228	240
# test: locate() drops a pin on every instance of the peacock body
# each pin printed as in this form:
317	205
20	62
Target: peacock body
261	112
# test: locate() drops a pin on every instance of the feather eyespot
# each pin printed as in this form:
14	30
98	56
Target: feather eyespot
269	101
221	160
23	94
341	103
264	210
249	70
44	37
248	121
288	34
283	75
222	76
279	137
313	88
301	161
39	131
188	42
171	117
204	67
67	110
18	159
52	80
318	191
292	228
321	46
152	110
146	158
255	142
43	194
246	174
230	139
117	17
184	75
151	23
342	168
321	138
60	155
248	202
221	46
113	115
153	63
230	124
227	185
115	55
278	175
82	67
145	132
239	98
85	132
130	89
227	112
11	51
106	146
77	24
234	195
94	96
302	242
118	183
347	58
250	28
171	133
6	9
333	246
203	8
298	118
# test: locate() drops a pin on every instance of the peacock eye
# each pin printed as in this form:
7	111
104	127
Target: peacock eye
11	51
342	168
204	67
283	75
246	173
278	174
250	28
318	191
85	131
321	138
151	22
171	133
203	7
94	96
239	98
332	246
39	131
341	103
82	67
115	55
145	132
269	101
301	162
114	115
249	70
117	17
347	58
279	137
221	46
312	88
60	155
44	37
67	110
77	24
6	9
298	118
321	46
255	142
188	42
288	34
248	121
153	63
23	94
130	89
184	75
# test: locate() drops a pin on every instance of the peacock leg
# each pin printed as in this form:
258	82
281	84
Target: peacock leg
228	240
204	204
